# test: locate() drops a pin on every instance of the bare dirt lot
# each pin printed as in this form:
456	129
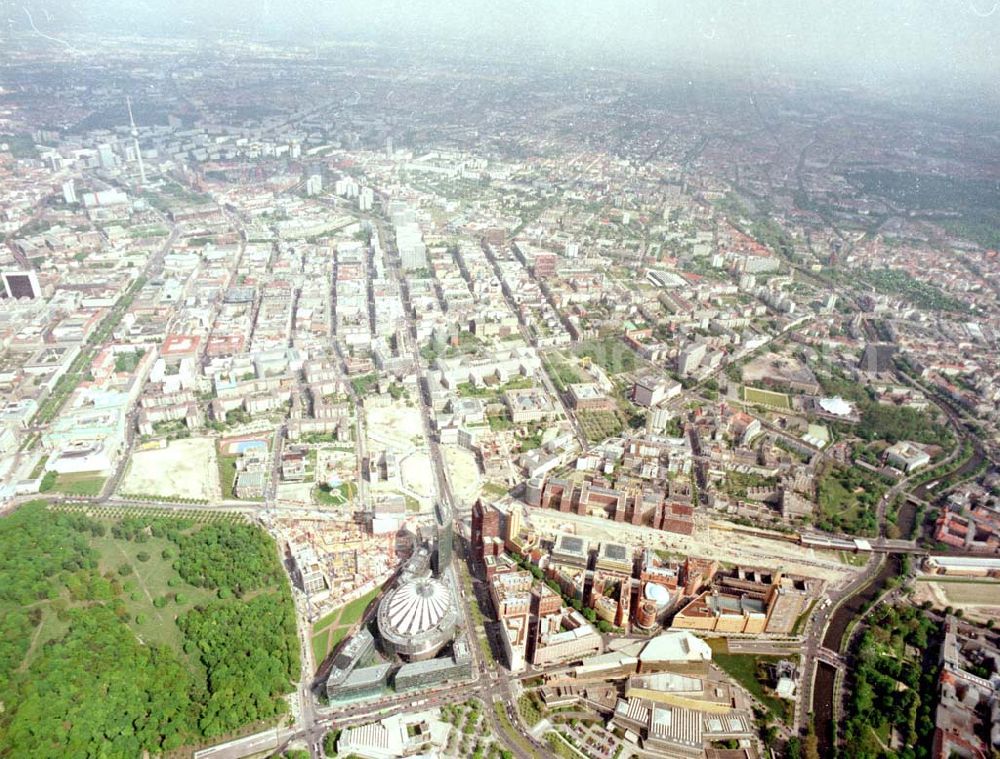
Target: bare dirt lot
777	368
184	469
395	427
463	473
417	475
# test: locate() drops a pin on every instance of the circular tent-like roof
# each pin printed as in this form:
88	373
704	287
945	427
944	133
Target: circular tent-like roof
417	607
836	406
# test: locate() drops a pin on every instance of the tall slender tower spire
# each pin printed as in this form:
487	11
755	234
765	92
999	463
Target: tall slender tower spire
135	140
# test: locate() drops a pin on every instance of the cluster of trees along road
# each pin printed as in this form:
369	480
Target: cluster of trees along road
91	686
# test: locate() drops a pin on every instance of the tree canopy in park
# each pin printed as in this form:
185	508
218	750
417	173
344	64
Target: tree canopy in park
250	652
100	692
239	557
77	677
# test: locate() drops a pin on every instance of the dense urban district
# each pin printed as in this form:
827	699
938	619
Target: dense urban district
376	402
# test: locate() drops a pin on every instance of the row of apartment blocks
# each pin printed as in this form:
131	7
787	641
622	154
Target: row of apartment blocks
671	511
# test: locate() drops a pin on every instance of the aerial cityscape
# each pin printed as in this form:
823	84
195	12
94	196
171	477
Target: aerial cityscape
401	395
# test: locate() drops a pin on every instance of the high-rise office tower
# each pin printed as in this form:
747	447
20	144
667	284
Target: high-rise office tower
513	522
443	524
106	156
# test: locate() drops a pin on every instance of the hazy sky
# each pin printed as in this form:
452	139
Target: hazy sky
950	41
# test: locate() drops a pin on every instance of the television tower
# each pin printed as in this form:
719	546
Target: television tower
135	140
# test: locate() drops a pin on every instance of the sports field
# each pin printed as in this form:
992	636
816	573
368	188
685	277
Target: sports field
767	398
973	593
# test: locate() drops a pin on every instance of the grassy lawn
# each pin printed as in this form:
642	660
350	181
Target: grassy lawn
883	732
611	354
127	362
337	496
982	594
337	635
468	390
854	559
745	670
227	474
85	483
766	398
332	628
151	578
491	488
532	441
320	646
836	500
324	495
500	422
328	620
847	499
356	608
718	646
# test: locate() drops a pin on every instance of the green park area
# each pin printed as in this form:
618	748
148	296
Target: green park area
184	632
891	691
364	384
334	627
751	671
886	421
81	484
848	497
560	371
227	474
599	425
335	496
611	354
